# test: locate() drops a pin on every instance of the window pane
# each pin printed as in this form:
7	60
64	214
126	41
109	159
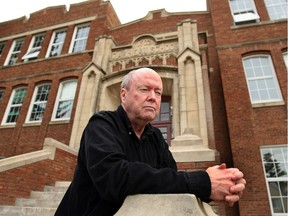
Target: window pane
64	109
277	205
274	190
285	203
37	112
165	107
19	96
255	96
13	114
283	188
68	91
38	40
165	117
42	93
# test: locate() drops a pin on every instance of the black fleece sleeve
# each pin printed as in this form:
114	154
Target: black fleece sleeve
114	177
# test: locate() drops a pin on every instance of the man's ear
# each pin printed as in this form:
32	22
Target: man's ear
123	94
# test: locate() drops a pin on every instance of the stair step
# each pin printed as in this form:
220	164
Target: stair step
52	203
46	195
26	211
62	184
54	189
43	203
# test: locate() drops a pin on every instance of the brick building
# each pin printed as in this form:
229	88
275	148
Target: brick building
224	72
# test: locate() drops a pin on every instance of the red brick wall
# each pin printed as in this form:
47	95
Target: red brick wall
19	182
23	138
250	128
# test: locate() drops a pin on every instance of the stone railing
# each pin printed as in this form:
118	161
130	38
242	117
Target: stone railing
165	205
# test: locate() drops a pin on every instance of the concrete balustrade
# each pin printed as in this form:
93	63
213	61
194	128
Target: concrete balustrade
165	205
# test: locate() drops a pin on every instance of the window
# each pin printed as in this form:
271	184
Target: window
56	43
261	79
244	11
2	45
163	120
13	110
277	9
275	162
14	52
285	57
35	47
38	106
65	99
80	37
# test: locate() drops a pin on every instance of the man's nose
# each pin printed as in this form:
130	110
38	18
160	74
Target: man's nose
152	95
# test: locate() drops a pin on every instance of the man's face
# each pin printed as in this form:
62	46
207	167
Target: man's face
142	99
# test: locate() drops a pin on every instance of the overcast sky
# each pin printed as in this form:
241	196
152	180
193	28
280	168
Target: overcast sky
127	10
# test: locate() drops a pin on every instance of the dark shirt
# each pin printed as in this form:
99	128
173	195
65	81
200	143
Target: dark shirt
113	163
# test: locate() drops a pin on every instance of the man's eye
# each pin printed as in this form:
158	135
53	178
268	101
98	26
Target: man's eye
143	90
158	93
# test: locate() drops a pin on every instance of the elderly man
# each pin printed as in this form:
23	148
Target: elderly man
122	154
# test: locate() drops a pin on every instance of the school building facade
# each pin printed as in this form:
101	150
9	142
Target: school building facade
224	73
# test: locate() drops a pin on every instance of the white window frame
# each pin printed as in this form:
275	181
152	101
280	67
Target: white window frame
244	15
264	77
14	52
11	106
37	102
59	100
279	160
34	47
276	9
58	44
79	38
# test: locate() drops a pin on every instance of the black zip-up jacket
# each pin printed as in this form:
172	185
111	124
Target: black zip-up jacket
113	163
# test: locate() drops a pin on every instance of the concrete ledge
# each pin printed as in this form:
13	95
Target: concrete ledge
192	153
164	205
48	152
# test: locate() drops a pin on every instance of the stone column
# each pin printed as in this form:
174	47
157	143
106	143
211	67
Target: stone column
90	88
191	145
